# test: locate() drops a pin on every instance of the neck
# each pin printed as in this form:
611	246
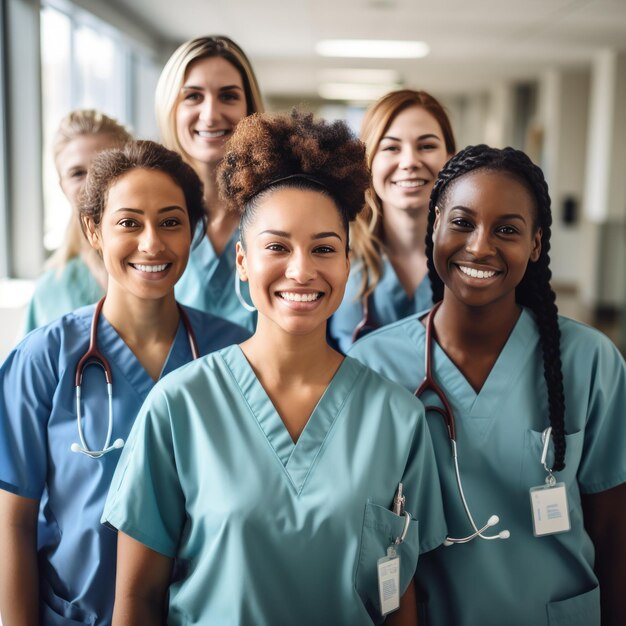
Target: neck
405	232
290	359
141	321
478	330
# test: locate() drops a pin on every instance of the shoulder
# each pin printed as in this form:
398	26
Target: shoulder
407	332
55	347
373	384
214	332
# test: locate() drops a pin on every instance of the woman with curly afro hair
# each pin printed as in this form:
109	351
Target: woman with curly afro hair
269	470
538	401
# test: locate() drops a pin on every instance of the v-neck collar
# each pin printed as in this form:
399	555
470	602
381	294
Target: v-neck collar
518	349
219	269
297	459
117	351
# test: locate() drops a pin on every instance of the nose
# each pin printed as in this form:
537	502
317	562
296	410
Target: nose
480	243
301	268
409	158
150	241
209	109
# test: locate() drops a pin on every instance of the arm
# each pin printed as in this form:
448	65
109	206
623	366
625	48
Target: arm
143	577
406	615
19	579
605	521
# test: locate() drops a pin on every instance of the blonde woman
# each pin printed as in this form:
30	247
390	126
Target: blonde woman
205	89
409	139
75	274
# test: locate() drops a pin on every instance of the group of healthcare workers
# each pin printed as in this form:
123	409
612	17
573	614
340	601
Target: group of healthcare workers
270	479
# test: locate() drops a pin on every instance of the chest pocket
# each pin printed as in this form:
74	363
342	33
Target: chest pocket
380	528
534	474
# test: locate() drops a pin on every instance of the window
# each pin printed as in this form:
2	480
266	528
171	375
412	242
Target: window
86	63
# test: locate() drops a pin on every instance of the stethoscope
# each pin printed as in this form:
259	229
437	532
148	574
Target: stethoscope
368	321
448	417
93	356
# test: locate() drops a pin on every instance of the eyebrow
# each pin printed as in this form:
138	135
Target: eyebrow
198	88
420	138
506	216
283	233
140	212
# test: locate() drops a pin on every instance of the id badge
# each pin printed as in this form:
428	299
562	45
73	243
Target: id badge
550	510
389	582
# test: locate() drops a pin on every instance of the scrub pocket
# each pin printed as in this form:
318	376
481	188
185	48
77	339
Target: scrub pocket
380	528
55	611
582	610
534	474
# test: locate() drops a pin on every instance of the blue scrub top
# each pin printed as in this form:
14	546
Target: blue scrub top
59	292
524	580
270	531
77	555
388	303
208	283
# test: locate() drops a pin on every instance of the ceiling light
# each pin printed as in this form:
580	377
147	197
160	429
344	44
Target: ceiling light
354	92
372	48
358	75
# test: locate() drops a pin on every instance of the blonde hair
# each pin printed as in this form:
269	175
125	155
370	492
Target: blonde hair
173	76
73	125
367	235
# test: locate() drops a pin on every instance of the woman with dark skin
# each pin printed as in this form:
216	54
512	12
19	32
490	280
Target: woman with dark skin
524	384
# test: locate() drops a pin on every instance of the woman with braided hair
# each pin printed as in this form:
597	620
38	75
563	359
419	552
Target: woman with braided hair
539	405
268	470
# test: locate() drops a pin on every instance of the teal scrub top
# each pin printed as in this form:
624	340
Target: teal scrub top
59	292
77	555
524	580
208	283
388	303
268	531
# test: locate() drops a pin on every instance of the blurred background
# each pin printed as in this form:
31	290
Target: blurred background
545	76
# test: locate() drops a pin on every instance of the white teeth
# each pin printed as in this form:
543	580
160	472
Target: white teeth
211	134
410	184
299	297
150	268
470	271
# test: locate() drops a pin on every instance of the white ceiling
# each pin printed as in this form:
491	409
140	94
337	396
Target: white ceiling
474	43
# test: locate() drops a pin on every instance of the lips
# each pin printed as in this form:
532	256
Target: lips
211	134
150	269
293	296
472	272
414	183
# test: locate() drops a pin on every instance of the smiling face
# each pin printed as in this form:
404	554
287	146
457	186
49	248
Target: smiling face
484	237
295	260
408	159
212	101
144	234
74	160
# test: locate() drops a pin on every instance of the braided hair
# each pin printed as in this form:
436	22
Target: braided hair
534	290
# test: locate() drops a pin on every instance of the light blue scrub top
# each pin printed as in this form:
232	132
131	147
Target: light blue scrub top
271	531
77	555
208	283
57	293
388	303
524	580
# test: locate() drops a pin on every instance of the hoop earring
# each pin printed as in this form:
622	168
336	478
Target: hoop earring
244	304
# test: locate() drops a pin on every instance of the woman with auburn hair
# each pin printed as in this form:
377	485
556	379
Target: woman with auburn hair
409	139
267	471
75	275
205	89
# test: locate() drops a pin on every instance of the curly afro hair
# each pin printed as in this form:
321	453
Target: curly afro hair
268	152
